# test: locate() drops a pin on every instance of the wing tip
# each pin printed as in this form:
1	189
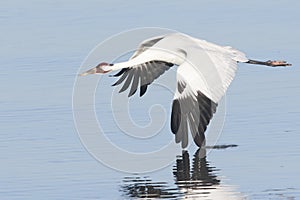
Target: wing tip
143	90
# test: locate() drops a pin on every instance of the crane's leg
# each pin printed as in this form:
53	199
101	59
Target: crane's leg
272	63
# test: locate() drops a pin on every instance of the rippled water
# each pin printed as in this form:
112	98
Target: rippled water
194	178
44	43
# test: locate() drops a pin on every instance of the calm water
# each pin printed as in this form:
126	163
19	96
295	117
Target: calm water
44	43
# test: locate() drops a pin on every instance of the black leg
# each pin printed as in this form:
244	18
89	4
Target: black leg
271	63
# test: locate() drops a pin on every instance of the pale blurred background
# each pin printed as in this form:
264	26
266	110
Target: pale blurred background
43	43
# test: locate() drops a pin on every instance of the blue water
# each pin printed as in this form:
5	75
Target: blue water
43	43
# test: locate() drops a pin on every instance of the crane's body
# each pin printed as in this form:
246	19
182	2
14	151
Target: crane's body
205	70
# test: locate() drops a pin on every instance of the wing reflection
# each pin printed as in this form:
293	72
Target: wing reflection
202	175
144	187
197	181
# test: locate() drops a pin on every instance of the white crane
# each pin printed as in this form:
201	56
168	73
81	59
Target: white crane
204	73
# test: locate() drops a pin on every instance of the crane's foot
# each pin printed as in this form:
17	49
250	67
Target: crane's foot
276	63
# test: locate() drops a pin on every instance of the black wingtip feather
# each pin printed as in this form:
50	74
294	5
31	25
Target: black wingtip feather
122	71
169	64
127	82
132	93
135	82
121	79
197	112
143	90
199	139
115	84
146	73
207	108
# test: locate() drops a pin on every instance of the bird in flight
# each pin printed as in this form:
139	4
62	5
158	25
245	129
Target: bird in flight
205	70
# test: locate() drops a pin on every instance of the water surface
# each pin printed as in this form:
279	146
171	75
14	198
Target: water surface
44	43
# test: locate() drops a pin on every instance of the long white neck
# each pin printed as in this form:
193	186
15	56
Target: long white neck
150	55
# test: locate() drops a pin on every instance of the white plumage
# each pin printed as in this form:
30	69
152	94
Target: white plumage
194	57
205	71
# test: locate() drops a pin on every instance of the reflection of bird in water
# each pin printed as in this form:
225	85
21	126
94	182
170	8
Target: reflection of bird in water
201	175
144	187
199	181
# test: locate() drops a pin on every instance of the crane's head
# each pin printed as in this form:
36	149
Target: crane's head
99	69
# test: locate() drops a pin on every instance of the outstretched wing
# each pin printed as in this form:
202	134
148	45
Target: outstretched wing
141	75
193	110
201	83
